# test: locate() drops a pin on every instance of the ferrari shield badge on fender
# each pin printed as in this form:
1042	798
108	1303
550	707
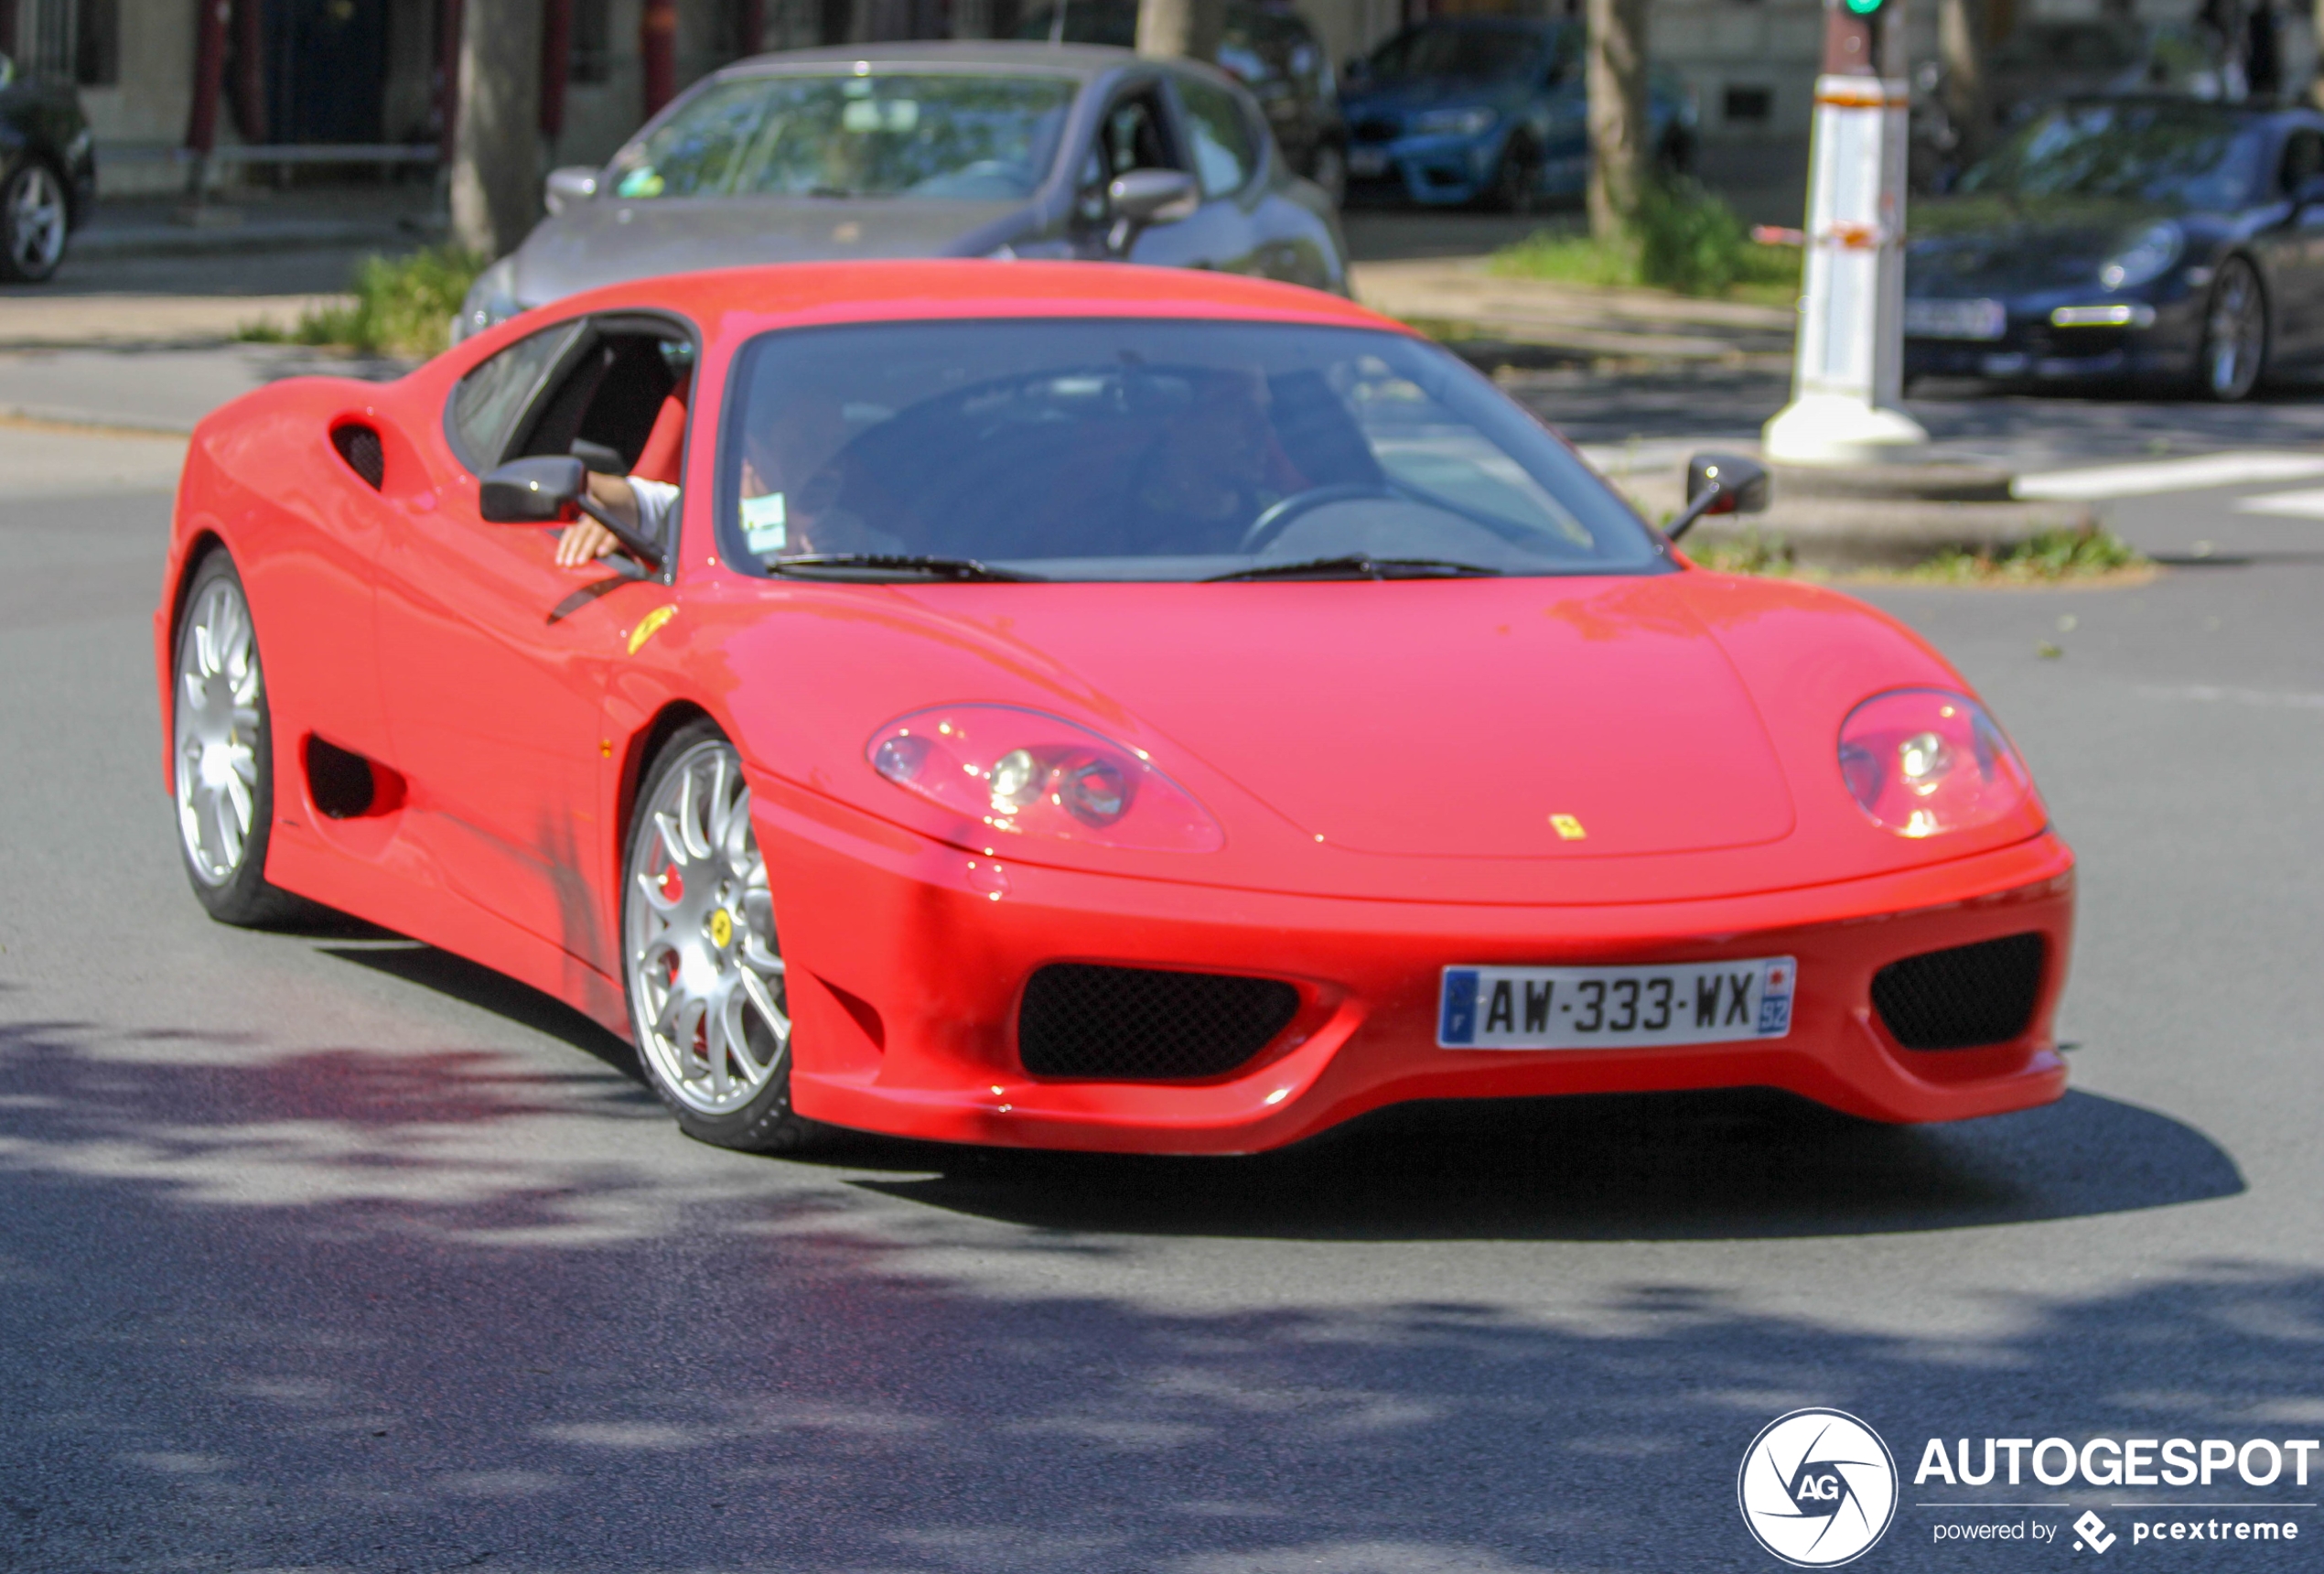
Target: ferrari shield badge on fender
649	626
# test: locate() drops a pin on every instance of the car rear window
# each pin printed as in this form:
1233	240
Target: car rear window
1149	449
964	135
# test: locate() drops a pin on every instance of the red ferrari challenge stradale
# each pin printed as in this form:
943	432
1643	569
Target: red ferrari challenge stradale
1080	706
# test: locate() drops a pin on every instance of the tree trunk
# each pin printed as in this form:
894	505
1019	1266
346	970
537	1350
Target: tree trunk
1187	27
1961	45
496	139
1617	127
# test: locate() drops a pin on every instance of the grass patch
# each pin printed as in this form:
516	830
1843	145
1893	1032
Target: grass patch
402	305
2053	557
1684	239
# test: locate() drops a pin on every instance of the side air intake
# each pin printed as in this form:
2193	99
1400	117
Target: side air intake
361	448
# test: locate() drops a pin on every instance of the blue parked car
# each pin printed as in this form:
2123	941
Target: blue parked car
1490	110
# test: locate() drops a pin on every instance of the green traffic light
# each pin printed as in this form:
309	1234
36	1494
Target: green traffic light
1865	7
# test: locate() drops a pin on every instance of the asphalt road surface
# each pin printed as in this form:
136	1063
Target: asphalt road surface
323	1250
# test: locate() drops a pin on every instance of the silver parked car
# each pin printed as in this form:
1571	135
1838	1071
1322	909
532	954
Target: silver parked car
931	150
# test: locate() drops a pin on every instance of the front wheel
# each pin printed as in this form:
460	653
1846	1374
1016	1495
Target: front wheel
221	750
33	221
2235	344
708	998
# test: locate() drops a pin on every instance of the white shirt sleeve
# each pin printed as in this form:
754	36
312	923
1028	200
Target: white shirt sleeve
657	509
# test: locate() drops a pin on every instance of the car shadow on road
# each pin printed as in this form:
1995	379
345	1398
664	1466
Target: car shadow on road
478	985
1743	1164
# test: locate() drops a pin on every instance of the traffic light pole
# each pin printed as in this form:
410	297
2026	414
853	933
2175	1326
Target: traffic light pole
1848	367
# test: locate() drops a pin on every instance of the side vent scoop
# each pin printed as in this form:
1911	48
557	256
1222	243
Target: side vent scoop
359	446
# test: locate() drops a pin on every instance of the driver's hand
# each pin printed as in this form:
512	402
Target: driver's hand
584	542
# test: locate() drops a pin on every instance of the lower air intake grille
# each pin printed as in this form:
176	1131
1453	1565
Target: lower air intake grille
1957	999
1136	1024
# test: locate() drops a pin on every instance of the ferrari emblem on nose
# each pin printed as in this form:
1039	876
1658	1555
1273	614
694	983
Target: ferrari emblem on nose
1567	827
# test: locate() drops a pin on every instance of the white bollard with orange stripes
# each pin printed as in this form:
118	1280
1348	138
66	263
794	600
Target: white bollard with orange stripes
1848	367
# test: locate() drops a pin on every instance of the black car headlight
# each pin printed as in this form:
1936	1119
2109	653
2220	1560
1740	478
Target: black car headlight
2148	257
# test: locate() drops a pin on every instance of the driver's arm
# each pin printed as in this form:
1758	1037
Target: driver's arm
585	540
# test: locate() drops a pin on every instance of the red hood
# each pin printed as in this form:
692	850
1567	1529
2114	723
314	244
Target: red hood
1459	722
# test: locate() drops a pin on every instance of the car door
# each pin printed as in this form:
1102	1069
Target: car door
496	659
2295	254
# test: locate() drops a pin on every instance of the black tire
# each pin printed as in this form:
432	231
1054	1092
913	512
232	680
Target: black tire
2236	334
764	1123
227	871
1517	178
36	218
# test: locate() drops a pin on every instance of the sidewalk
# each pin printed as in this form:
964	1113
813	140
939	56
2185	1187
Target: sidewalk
391	217
1580	322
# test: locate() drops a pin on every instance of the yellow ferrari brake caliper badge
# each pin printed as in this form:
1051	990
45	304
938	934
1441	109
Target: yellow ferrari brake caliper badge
722	929
1569	828
649	626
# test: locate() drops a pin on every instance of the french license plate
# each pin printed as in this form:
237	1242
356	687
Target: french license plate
1955	320
1367	162
1615	1007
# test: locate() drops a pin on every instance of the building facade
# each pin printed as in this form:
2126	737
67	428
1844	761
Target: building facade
311	72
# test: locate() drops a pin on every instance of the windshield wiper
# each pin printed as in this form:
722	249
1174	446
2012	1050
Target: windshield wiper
1361	565
900	563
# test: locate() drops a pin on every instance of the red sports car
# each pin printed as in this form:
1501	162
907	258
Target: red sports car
1081	706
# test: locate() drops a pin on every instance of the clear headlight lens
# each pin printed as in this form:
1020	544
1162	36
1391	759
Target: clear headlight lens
1925	762
2144	259
1025	773
491	300
1453	122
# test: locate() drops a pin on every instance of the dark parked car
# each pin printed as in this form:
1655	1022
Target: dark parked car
1491	110
1269	48
47	173
2127	237
931	150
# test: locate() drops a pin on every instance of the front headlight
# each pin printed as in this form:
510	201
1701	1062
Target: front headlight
1026	773
2146	257
491	300
1925	762
1454	121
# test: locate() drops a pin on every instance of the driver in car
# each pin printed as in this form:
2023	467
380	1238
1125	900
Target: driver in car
648	507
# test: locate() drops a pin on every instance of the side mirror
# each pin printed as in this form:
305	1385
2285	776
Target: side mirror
1144	197
539	490
574	183
532	491
1720	484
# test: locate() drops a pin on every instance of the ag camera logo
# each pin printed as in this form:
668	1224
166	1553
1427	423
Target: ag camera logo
1818	1488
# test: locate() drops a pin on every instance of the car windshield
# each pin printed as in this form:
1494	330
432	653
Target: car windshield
960	135
1463	53
1096	449
2179	155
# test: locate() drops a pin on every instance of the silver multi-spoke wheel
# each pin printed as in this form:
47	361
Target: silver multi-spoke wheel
706	973
36	220
219	726
2234	332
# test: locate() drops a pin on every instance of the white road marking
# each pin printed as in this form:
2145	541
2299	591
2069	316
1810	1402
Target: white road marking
2242	467
2306	504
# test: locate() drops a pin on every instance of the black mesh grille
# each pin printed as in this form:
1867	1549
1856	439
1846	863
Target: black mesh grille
359	446
1956	999
1135	1024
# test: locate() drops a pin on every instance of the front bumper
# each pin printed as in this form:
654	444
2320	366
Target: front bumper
1433	170
2034	349
909	959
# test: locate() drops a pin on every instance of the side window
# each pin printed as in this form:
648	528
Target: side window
612	396
486	402
2303	160
1225	155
